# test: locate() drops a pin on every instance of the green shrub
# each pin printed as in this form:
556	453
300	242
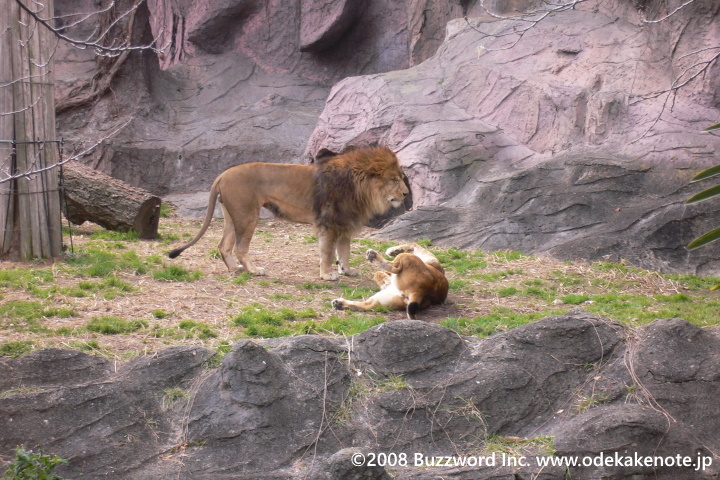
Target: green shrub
29	465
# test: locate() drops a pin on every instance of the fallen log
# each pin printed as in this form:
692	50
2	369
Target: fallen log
89	195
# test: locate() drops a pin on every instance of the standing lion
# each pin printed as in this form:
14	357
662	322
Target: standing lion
338	196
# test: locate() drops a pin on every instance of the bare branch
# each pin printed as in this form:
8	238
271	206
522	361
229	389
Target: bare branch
97	45
529	19
661	19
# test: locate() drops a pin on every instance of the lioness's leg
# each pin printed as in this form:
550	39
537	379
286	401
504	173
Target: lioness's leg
424	254
382	279
389	297
242	250
327	240
373	256
343	255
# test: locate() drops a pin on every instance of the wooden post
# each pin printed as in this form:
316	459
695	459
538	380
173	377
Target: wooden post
30	205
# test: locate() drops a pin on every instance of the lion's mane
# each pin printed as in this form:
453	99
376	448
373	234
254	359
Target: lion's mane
343	195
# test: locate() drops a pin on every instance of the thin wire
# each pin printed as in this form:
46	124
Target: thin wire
63	192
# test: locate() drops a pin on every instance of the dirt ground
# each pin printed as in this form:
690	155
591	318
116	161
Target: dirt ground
288	252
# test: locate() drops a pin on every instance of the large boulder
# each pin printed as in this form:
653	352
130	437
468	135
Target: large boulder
567	140
326	408
234	81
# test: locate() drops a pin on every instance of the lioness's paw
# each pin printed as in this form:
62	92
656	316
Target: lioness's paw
397	250
371	255
338	304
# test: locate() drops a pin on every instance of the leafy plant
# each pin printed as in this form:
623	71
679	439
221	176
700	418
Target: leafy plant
706	194
29	465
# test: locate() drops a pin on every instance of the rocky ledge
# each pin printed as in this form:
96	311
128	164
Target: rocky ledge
575	386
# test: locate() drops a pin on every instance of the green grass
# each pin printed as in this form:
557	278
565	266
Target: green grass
110	325
199	330
187	329
462	261
344	325
499	320
102	234
356	293
16	349
36	281
259	321
109	288
176	273
27	315
166	210
241	278
100	262
490	292
172	396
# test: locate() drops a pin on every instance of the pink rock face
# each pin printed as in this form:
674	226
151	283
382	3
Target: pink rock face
319	40
567	139
323	22
555	142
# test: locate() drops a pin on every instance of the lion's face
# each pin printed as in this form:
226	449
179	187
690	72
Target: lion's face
395	191
391	191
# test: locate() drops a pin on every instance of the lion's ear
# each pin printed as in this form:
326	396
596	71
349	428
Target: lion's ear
323	155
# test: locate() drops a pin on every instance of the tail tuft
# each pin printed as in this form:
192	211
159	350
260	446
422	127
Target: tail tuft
412	310
175	253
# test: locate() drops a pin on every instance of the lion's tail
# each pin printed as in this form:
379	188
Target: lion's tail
208	218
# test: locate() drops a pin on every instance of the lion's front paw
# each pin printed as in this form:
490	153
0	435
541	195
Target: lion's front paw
372	255
350	272
331	277
338	304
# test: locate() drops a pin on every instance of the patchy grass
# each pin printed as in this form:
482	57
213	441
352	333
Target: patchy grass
173	396
114	325
15	349
119	296
176	273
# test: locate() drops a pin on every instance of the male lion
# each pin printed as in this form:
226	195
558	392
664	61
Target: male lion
338	196
414	280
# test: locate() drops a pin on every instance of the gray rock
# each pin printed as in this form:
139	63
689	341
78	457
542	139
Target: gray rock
302	407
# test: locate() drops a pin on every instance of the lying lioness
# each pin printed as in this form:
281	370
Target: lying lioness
412	281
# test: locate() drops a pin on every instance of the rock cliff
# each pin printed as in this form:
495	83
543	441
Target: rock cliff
559	132
578	385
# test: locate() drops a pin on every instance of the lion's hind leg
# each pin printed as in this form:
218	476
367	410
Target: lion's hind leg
236	239
227	243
